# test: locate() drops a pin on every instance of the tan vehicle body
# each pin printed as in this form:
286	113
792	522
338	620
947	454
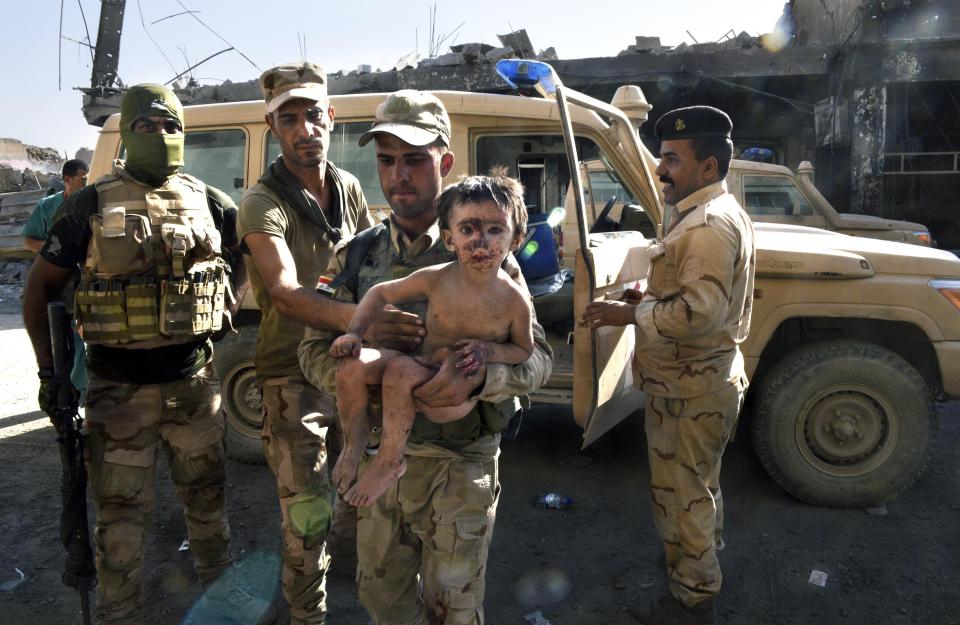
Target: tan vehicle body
812	286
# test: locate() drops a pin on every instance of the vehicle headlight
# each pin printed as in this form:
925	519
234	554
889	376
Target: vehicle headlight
950	289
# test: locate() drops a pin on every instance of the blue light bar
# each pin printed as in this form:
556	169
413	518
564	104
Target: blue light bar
525	75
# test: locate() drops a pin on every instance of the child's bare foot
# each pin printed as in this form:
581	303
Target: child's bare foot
345	470
375	482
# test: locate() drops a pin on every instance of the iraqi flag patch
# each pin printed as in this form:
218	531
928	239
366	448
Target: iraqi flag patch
323	285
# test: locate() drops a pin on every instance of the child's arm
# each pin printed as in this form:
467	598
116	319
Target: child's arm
513	352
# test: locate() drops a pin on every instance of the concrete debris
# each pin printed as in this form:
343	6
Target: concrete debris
519	41
646	44
409	60
550	54
452	58
472	50
14	271
495	54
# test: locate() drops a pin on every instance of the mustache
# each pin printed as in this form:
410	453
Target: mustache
666	179
308	143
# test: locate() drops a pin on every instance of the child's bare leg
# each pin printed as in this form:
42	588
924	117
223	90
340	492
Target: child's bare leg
353	377
402	375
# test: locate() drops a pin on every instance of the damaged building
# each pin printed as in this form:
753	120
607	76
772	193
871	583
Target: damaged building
865	89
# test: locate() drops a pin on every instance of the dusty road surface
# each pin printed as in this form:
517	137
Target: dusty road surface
589	564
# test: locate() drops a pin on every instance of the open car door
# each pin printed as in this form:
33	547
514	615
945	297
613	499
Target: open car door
603	391
606	262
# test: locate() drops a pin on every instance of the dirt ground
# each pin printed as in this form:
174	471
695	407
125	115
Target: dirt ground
591	563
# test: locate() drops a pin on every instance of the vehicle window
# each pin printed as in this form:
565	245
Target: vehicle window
605	186
217	157
346	154
538	161
774	195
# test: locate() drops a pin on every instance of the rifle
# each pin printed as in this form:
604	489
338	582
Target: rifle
79	572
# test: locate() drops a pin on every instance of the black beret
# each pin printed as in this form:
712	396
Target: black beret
693	121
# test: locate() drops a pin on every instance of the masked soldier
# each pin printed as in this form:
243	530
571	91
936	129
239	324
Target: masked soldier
154	280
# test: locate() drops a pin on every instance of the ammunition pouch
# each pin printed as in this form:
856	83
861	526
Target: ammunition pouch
117	312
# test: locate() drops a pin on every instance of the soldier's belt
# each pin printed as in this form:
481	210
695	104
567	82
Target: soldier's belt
116	312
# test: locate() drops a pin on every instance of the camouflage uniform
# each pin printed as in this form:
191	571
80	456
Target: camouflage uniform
437	521
694	314
297	417
142	397
125	425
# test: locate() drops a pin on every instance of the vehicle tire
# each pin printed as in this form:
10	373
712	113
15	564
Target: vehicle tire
240	392
844	423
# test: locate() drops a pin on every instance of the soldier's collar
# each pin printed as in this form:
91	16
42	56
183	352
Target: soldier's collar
402	243
702	196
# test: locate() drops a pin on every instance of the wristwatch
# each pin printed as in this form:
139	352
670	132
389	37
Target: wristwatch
45	373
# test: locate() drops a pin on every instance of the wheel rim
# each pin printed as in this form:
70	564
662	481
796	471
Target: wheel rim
847	430
243	399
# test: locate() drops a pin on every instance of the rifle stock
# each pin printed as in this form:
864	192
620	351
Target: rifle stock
79	572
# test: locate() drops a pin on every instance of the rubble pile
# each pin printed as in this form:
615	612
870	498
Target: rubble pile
26	167
652	45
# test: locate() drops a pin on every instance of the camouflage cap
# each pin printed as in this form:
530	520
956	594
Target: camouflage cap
414	117
692	122
148	100
293	80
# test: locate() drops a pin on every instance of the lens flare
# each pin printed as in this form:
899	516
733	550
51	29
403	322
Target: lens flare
542	588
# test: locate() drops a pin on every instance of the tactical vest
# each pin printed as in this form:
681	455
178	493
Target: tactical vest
153	274
382	263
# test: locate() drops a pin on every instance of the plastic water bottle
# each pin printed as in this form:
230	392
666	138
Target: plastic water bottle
554	500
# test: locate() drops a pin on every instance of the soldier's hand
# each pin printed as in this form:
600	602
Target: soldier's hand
47	397
608	313
448	387
397	330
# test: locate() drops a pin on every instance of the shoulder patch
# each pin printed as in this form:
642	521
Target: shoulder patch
323	285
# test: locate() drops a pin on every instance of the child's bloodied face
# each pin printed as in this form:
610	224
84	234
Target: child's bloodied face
481	234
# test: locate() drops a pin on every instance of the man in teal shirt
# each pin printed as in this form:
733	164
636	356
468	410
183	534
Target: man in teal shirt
35	230
35	233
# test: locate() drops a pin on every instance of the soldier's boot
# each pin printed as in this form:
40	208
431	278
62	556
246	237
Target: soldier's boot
669	610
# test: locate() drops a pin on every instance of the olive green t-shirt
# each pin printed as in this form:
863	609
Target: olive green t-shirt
262	210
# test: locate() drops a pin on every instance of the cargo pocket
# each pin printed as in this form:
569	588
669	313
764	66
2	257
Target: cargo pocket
120	243
471	527
463	601
101	310
197	467
122	476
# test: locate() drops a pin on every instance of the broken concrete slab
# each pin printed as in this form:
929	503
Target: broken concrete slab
519	41
646	44
550	54
495	54
405	61
453	58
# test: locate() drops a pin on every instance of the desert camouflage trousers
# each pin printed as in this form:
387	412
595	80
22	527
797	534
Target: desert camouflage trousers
685	443
296	419
125	425
436	522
